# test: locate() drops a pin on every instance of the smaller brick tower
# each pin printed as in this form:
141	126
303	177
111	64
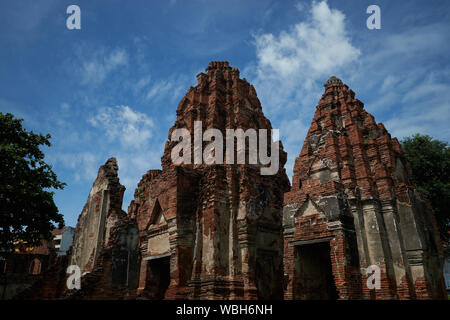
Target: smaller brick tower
351	206
212	231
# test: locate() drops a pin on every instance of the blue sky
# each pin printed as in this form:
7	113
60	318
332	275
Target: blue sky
112	88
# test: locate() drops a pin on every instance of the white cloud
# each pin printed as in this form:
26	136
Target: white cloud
405	85
142	83
312	48
396	78
96	68
65	106
125	134
292	66
426	111
162	87
418	41
84	165
425	90
169	89
131	128
300	6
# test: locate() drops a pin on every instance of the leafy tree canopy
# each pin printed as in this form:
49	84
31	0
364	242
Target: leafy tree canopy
27	209
430	163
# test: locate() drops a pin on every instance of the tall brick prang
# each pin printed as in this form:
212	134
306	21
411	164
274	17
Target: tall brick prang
352	205
212	231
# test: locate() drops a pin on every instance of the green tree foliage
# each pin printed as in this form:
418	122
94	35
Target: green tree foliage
27	209
430	163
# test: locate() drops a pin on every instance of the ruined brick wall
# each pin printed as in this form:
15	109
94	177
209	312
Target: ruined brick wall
51	283
219	225
23	269
102	210
105	242
114	276
351	189
105	248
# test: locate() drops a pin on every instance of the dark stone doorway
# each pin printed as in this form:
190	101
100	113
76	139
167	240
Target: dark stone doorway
158	278
313	275
268	276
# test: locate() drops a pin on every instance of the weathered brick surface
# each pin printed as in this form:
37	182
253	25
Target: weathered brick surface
105	244
220	225
23	270
51	283
105	248
224	231
351	188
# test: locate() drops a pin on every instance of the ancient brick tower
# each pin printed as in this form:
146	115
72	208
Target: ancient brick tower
352	205
212	231
105	244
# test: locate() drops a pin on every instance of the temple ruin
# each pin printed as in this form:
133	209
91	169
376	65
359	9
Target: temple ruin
212	231
351	206
105	245
225	231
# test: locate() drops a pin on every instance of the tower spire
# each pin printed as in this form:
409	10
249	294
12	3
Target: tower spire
333	81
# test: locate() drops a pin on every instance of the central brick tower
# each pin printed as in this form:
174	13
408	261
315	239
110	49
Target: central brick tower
212	231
